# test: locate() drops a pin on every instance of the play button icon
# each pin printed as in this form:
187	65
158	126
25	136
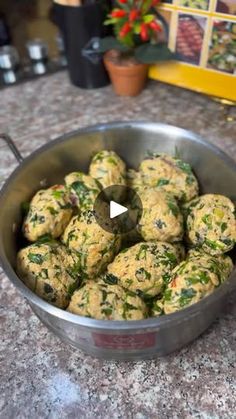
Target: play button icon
118	209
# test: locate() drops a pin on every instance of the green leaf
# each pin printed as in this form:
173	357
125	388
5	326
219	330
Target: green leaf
223	227
111	21
162	182
110	279
177	153
173	208
46	238
186	296
52	210
72	288
148	18
184	166
148	53
146	6
128	40
107	311
207	219
168	294
58	194
25	206
108	43
79	187
137	28
36	258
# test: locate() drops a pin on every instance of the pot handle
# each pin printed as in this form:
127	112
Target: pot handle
10	143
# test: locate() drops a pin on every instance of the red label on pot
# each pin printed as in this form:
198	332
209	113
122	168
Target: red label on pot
140	341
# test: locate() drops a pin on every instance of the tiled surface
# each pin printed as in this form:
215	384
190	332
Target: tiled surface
41	377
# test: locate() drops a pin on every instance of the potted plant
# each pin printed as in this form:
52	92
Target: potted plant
136	44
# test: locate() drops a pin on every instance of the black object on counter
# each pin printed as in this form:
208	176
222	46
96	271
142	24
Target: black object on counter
82	27
5	38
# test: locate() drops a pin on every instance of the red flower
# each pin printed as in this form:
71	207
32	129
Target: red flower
126	28
155	2
144	32
118	13
133	15
122	1
155	26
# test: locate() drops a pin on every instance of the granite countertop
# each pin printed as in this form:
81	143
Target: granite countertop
42	377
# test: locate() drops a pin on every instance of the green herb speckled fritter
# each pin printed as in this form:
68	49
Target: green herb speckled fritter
135	180
190	282
50	271
161	219
108	168
94	246
169	174
145	267
49	213
105	301
83	190
221	265
211	223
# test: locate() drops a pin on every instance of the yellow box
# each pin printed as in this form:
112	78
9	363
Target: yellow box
204	38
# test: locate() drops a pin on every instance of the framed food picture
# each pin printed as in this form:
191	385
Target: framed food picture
202	33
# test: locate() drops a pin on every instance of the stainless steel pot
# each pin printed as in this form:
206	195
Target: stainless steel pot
48	165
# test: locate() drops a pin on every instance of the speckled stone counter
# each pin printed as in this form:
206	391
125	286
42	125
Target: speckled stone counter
41	377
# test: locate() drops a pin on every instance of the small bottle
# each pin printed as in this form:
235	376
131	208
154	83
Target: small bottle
38	54
9	65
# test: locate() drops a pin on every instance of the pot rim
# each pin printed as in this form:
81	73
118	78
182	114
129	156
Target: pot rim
151	323
124	68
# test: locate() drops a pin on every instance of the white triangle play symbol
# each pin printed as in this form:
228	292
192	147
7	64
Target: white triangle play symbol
116	209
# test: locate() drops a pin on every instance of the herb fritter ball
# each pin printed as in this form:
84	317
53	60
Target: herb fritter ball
144	267
171	175
49	270
49	213
221	265
102	301
94	246
108	168
135	181
161	218
211	223
190	282
83	190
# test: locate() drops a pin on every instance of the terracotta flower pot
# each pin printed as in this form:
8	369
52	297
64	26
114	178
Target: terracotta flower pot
127	80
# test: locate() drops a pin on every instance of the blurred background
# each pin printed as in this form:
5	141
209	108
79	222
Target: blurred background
22	20
202	33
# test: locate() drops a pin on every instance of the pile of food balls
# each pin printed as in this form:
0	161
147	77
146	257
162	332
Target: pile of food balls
175	257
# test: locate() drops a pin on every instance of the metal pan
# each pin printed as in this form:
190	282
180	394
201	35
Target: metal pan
131	140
